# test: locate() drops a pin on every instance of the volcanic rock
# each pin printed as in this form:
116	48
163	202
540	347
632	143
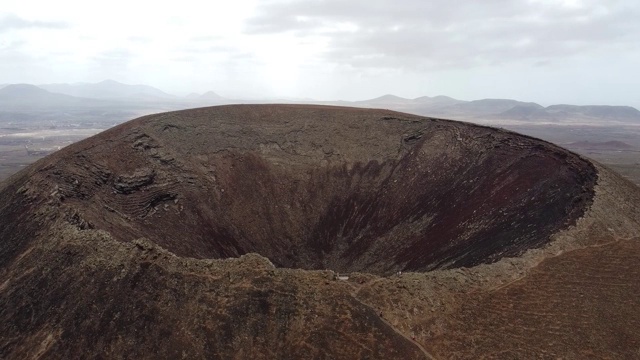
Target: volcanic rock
282	231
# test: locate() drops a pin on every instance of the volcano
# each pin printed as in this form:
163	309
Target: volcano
294	231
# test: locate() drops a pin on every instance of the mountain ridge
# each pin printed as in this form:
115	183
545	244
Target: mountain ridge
108	90
440	105
506	109
27	95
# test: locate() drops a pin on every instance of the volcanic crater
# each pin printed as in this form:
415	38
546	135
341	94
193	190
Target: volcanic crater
217	233
312	187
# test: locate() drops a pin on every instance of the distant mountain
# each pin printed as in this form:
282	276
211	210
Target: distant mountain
109	89
423	101
597	111
25	95
210	95
557	113
387	100
208	98
423	105
437	101
497	109
528	111
485	107
147	97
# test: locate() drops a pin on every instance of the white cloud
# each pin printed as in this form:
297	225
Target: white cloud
435	34
330	48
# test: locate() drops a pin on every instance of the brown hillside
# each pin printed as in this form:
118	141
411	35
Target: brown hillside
122	245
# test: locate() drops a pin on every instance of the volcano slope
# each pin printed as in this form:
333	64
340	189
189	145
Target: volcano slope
219	232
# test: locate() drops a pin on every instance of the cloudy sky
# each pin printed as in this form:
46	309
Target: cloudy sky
547	51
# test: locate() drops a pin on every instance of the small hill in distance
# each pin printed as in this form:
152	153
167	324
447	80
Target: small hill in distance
209	97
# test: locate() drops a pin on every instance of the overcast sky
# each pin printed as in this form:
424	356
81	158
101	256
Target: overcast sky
547	51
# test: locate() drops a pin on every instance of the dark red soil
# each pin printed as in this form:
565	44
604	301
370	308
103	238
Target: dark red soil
572	305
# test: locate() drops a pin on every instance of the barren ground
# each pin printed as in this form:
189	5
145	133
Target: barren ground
141	242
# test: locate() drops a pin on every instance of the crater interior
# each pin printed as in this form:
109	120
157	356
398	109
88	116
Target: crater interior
317	187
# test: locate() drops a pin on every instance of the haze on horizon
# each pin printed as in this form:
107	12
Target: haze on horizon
546	51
